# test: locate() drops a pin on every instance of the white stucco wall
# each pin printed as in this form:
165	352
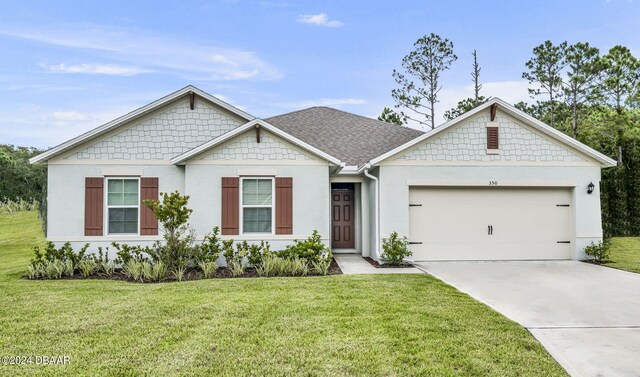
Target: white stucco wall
458	157
310	198
65	199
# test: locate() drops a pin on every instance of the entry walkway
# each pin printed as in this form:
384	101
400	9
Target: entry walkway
354	264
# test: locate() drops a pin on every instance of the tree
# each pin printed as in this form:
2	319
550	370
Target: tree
390	116
545	70
464	106
420	81
475	77
584	68
621	73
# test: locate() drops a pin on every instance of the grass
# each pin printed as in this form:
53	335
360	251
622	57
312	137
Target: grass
625	254
376	325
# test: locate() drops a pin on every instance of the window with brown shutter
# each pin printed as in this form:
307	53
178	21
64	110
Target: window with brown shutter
492	138
230	205
93	206
148	221
284	205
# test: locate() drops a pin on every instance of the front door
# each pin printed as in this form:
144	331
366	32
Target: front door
342	211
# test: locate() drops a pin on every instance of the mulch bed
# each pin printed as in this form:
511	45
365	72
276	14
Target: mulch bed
375	264
221	273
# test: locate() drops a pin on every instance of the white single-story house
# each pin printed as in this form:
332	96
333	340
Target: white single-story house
492	184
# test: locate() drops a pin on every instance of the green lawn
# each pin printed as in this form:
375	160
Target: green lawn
379	325
625	254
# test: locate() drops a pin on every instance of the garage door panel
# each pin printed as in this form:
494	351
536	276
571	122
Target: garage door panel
453	223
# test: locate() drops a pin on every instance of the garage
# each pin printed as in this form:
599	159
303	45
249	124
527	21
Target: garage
497	223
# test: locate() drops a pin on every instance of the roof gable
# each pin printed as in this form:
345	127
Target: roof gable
467	142
171	130
520	117
301	148
134	115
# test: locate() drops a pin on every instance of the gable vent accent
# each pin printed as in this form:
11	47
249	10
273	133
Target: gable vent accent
493	141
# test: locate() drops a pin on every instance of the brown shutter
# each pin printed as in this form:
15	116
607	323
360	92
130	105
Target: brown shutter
284	205
230	205
148	221
492	138
93	206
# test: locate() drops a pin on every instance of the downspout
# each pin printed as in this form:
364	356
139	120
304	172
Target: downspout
377	209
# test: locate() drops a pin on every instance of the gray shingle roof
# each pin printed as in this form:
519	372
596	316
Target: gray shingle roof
352	138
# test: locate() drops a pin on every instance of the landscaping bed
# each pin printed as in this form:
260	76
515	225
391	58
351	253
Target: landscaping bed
376	264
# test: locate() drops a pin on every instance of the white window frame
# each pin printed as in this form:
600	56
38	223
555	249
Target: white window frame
107	206
272	206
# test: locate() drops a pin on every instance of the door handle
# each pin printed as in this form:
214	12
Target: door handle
490	230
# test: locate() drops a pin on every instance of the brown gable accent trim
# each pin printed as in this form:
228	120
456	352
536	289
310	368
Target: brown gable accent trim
493	138
148	221
494	107
230	205
284	205
93	206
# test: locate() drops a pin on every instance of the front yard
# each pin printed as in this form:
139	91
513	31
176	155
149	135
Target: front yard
625	254
334	325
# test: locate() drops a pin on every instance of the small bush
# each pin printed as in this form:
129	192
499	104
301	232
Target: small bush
599	252
299	267
236	268
87	267
395	249
209	250
159	271
146	271
128	253
10	206
311	249
62	254
133	270
179	273
54	269
256	252
208	268
321	267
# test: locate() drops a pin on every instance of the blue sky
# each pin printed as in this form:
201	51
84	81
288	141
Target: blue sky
69	66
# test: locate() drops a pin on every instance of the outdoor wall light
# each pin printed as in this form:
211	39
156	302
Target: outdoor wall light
590	188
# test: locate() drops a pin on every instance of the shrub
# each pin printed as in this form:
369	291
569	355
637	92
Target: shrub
395	249
236	268
209	250
599	252
35	272
133	269
173	214
321	267
54	269
146	271
10	206
159	271
208	268
299	267
128	253
311	249
62	254
87	267
235	255
179	273
256	252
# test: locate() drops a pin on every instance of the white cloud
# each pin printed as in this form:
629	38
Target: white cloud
329	102
69	116
319	20
136	48
100	69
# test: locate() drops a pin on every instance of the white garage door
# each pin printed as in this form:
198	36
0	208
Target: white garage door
490	224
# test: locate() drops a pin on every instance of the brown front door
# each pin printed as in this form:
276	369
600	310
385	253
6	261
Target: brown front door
342	212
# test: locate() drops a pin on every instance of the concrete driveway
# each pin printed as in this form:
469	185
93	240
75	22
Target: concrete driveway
586	316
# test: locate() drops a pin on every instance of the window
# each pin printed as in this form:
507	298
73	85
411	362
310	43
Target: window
257	205
123	204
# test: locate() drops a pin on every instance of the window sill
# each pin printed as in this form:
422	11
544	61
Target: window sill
493	151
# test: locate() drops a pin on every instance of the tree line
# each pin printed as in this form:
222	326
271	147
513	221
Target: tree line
591	96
